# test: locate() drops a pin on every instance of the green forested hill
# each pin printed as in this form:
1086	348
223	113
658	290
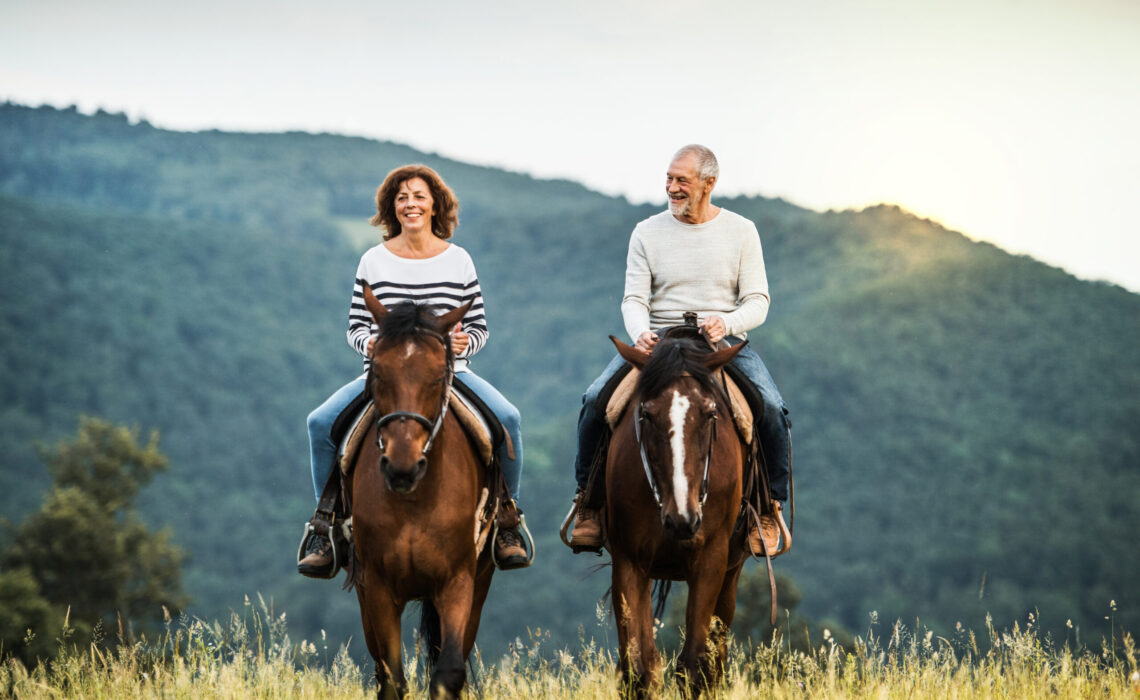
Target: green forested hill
964	419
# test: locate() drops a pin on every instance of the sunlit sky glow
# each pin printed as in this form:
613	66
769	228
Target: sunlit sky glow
1012	121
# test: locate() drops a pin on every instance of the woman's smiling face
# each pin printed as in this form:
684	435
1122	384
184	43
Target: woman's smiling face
414	205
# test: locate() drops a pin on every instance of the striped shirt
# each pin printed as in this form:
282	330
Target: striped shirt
443	282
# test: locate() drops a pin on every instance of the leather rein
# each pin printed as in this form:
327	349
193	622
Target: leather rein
431	426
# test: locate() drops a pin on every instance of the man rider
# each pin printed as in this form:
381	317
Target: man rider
704	258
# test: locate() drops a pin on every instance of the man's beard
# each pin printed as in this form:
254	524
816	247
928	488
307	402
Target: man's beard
681	207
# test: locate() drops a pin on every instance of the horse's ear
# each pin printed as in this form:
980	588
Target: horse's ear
720	358
447	321
632	355
374	306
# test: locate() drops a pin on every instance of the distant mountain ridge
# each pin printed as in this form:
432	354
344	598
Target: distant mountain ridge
961	414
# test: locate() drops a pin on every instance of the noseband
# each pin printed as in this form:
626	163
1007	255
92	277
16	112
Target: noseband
431	426
639	417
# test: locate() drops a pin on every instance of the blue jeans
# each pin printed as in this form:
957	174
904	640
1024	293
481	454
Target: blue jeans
775	435
322	450
509	416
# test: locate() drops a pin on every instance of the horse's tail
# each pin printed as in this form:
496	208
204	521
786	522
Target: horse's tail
430	635
661	588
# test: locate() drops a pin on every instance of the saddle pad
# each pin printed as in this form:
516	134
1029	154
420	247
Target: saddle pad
474	423
741	412
350	445
471	420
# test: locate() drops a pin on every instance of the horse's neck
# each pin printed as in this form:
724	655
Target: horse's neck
454	459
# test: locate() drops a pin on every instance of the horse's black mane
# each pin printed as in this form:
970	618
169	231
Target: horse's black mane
406	320
672	357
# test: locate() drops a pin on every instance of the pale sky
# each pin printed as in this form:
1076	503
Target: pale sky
1013	121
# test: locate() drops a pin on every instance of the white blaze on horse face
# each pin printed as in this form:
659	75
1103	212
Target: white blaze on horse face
677	413
409	350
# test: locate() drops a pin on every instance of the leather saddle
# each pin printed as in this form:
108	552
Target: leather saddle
478	421
743	397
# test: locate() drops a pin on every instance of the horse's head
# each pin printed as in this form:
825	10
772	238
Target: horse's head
410	377
676	403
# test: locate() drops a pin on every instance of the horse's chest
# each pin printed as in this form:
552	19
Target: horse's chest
427	551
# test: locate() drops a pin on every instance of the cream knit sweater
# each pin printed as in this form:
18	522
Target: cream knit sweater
714	268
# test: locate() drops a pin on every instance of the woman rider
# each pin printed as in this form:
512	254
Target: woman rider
418	213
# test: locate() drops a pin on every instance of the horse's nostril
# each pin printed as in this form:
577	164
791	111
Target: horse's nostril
421	462
385	462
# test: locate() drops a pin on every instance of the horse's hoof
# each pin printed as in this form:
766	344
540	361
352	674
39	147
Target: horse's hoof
447	684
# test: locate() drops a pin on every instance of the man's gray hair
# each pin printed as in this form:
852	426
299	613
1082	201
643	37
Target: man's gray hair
706	162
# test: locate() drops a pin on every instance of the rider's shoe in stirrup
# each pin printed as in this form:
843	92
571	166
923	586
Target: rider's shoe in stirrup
587	532
510	552
318	561
776	538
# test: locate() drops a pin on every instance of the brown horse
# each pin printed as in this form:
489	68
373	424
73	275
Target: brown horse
416	491
674	484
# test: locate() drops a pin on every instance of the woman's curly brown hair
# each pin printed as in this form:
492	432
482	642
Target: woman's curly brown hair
445	207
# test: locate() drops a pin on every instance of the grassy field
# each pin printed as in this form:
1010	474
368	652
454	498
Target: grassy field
251	656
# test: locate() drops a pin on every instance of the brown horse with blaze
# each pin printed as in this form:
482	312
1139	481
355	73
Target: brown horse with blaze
674	480
416	490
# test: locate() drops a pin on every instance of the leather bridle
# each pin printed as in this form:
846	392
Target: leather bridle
639	417
431	426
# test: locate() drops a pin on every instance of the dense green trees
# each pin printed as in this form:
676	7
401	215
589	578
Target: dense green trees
960	414
85	556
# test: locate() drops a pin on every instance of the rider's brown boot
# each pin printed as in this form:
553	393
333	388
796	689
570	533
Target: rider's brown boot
587	533
776	538
510	553
318	559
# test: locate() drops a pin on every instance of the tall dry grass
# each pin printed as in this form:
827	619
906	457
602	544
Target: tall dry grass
252	656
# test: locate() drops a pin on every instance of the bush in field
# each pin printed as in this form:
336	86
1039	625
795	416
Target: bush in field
85	557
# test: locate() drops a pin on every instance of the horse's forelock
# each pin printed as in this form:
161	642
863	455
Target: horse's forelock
671	358
405	321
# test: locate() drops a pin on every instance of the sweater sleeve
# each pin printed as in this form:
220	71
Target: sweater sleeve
359	318
753	299
475	320
638	287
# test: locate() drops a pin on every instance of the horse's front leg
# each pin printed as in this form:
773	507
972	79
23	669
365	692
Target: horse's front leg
633	613
697	665
482	587
454	605
725	611
380	615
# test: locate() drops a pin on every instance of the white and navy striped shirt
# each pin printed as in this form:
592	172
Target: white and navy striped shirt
443	282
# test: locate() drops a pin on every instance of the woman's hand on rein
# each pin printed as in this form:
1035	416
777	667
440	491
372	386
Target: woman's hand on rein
459	340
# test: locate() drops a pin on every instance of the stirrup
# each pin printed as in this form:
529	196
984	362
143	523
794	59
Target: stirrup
528	544
577	549
344	529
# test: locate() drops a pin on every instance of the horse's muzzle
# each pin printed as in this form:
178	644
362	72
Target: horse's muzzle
402	479
681	528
